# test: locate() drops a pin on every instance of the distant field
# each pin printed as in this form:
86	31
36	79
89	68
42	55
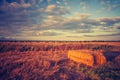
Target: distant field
48	61
59	46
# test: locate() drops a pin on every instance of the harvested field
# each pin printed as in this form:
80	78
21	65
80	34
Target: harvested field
50	61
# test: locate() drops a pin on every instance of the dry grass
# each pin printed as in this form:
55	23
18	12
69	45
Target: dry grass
35	66
48	61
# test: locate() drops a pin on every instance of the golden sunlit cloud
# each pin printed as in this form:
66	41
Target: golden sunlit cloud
63	19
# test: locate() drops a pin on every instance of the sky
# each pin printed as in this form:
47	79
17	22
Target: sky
72	20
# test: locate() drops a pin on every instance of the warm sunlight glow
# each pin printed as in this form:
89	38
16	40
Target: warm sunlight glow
59	20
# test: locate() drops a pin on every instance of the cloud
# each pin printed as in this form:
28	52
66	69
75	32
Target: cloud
79	21
16	16
110	4
6	38
4	32
84	21
52	18
58	2
56	10
84	31
26	5
117	26
22	14
109	20
103	35
50	8
48	33
113	34
75	22
14	5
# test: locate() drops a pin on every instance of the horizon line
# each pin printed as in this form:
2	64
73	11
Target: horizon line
60	40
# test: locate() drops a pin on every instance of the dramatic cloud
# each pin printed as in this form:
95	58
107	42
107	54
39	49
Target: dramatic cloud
110	21
60	19
18	14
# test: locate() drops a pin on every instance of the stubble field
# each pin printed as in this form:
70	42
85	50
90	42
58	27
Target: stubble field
47	60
